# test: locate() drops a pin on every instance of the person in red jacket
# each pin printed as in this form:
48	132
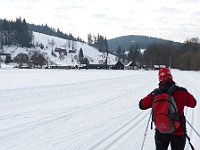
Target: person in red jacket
183	98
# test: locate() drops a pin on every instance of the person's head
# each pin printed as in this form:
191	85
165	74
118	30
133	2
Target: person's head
164	74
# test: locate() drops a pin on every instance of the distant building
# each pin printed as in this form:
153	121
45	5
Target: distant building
157	67
131	66
97	66
72	51
60	50
118	66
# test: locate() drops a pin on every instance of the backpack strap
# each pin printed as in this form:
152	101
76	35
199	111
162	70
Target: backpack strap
171	89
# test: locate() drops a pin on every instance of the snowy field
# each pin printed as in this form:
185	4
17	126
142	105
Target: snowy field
83	109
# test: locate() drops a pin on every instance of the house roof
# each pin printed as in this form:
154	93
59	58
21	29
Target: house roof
119	63
130	64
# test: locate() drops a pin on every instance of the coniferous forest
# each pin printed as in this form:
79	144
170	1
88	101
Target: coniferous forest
45	29
15	33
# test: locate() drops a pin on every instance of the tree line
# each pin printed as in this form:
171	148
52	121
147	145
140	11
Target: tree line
100	42
15	33
45	29
184	56
19	32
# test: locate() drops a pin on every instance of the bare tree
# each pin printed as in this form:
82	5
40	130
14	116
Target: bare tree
21	59
38	59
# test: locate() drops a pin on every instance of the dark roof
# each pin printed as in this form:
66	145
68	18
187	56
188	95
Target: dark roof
5	54
118	65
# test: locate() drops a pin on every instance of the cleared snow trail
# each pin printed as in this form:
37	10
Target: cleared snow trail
81	110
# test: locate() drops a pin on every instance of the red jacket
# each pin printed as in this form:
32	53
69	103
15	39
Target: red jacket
181	95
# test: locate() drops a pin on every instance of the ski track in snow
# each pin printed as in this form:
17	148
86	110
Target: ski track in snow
98	113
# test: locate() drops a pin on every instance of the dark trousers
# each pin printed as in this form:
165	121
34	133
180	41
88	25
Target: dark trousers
162	141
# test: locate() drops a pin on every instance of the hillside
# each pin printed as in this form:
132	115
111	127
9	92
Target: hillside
72	48
123	41
126	41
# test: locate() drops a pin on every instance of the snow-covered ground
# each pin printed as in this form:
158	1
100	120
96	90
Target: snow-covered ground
82	109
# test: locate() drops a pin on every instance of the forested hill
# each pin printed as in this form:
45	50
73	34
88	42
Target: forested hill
45	29
142	41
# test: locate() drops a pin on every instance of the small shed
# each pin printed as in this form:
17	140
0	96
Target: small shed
118	66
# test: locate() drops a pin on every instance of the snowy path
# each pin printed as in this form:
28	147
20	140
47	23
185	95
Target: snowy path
81	110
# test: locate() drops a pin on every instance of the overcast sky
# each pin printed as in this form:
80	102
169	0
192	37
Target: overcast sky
174	20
